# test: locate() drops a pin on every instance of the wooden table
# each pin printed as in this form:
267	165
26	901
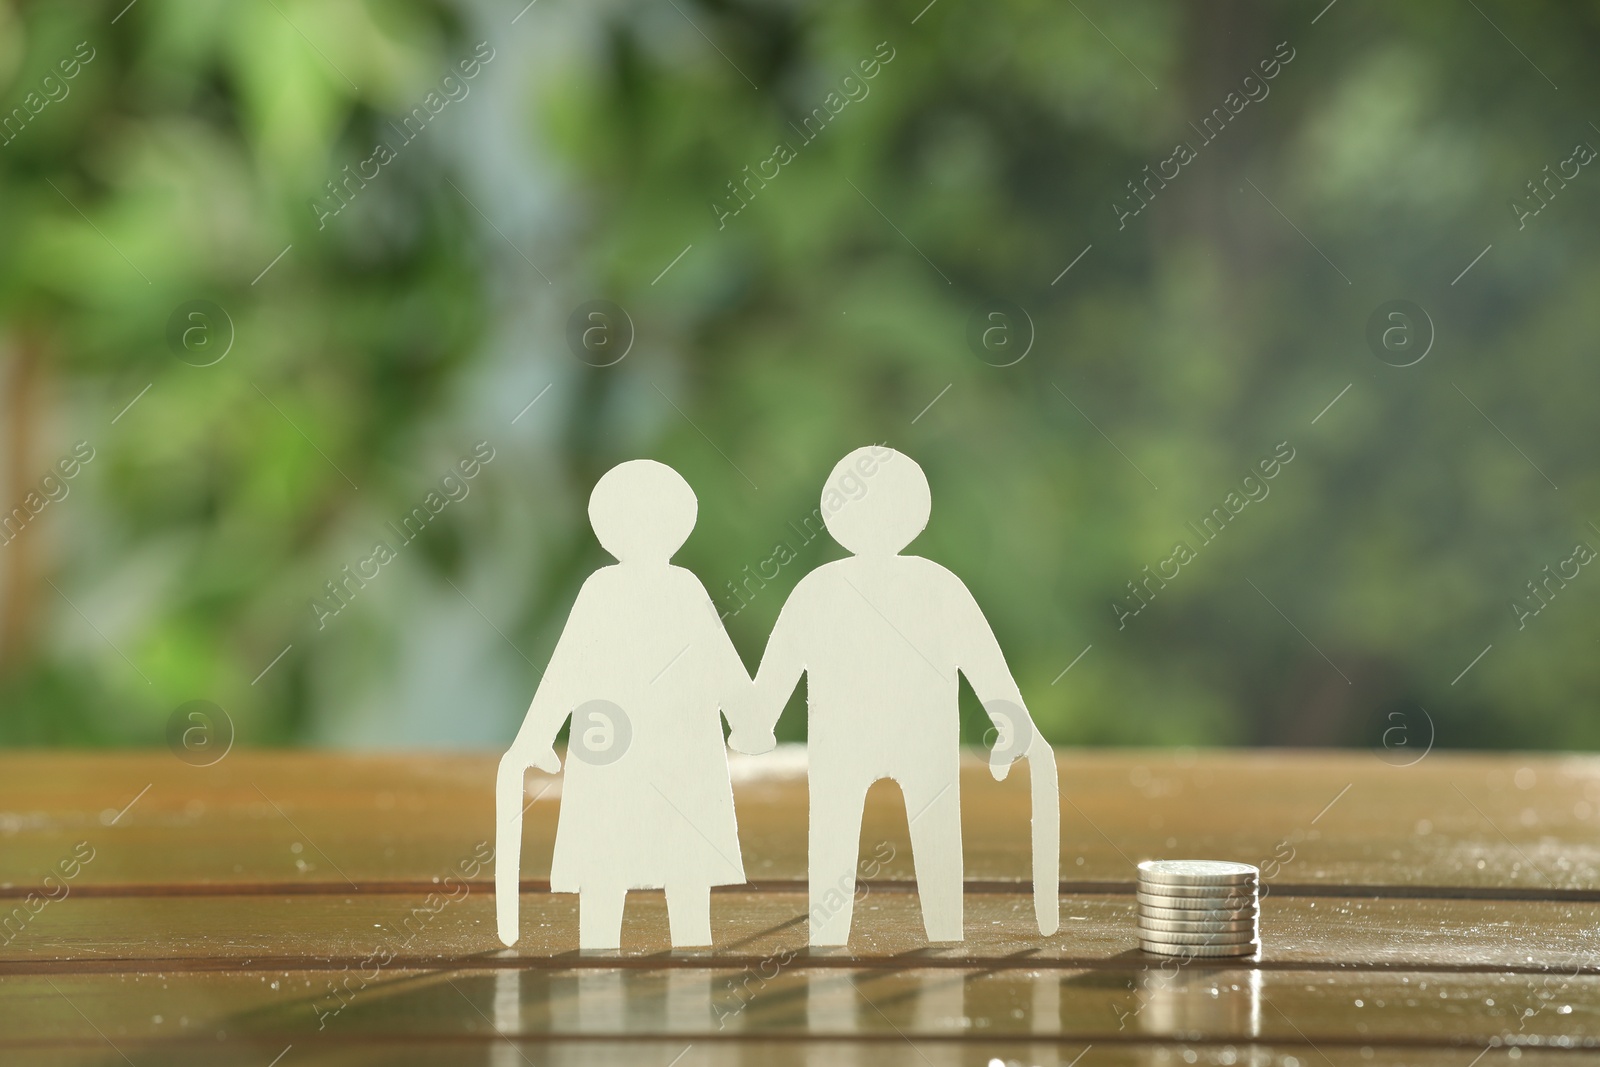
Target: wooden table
312	907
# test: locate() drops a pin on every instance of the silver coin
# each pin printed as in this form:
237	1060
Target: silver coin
1237	938
1194	951
1149	923
1198	914
1197	872
1165	888
1161	899
1215	937
1156	895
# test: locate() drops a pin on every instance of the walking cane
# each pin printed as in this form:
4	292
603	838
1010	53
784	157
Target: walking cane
1046	835
508	846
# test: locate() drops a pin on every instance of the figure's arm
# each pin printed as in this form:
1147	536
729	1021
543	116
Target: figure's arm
781	666
534	746
981	660
735	691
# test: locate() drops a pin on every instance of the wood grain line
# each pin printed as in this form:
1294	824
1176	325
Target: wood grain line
1130	961
1579	1045
423	886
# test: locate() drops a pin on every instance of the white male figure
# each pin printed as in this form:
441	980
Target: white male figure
882	636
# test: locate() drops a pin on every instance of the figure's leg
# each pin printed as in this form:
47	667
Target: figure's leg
600	918
689	915
933	810
835	842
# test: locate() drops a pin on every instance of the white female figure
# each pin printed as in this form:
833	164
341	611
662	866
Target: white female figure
643	667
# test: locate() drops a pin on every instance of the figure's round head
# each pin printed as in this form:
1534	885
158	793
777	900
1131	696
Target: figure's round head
642	511
876	501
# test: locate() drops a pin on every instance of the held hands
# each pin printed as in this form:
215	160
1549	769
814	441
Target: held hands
752	718
752	742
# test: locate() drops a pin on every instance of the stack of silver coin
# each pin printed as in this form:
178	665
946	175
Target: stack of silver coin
1199	908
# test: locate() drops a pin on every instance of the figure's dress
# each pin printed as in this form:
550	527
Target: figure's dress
662	812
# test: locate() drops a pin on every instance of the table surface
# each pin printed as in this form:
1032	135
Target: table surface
311	907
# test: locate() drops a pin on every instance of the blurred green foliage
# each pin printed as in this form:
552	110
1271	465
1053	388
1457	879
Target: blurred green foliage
590	159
